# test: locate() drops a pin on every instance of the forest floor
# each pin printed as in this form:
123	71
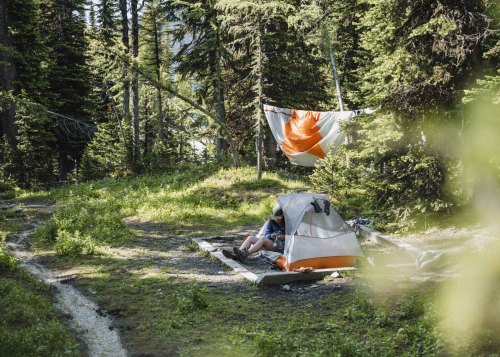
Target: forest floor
165	297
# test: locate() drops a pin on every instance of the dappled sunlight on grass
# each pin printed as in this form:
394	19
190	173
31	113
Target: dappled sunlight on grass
231	197
193	201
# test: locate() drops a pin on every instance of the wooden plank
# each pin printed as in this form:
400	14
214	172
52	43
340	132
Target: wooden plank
282	277
236	266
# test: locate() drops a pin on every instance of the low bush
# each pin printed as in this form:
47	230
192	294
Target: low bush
7	261
74	244
191	297
7	191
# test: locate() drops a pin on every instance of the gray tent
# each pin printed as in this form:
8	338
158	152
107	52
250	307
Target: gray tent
316	235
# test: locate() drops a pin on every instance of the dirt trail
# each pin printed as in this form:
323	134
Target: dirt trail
91	328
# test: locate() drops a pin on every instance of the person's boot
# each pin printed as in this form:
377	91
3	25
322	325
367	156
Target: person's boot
241	254
229	254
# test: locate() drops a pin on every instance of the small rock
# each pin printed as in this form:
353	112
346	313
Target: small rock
220	272
335	274
286	287
313	286
18	209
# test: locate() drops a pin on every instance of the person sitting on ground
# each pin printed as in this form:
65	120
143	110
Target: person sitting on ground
272	239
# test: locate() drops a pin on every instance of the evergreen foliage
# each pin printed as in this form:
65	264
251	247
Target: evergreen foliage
411	65
36	144
200	66
105	155
29	50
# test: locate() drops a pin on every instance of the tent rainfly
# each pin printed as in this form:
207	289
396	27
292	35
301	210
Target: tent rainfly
305	135
316	235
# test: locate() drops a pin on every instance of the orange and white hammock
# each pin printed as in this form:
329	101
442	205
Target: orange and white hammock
304	135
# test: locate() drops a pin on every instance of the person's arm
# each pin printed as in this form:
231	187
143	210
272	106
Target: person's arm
268	230
281	233
278	232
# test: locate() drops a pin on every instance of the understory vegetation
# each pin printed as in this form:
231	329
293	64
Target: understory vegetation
161	308
29	324
195	200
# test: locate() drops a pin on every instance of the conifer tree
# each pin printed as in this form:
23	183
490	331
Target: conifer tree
274	63
201	54
69	73
155	55
413	58
23	77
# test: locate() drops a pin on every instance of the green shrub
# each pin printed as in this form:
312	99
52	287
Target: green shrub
400	190
105	155
7	261
47	232
74	244
346	182
191	297
85	222
7	191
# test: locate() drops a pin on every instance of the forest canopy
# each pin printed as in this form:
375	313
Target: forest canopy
112	88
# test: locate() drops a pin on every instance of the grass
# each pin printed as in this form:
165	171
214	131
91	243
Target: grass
161	308
193	202
29	325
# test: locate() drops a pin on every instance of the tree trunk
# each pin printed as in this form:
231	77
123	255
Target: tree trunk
181	149
157	36
270	153
135	81
334	68
148	130
63	165
126	44
7	76
258	109
220	108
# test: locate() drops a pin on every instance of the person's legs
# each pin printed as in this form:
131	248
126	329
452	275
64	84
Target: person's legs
252	245
243	248
248	242
261	243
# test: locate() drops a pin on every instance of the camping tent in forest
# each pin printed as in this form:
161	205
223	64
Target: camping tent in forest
316	235
305	135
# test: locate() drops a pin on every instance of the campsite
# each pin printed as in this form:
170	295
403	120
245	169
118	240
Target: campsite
249	178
